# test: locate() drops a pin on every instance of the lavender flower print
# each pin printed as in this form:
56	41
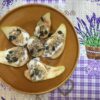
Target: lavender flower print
89	35
7	3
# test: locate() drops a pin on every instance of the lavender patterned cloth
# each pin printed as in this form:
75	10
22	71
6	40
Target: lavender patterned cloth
86	77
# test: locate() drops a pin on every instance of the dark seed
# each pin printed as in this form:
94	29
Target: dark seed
8	55
59	32
47	47
42	19
7	58
14	59
33	57
25	45
10	61
31	51
41	33
11	38
46	32
49	34
38	37
39	50
18	30
11	52
36	71
53	48
32	74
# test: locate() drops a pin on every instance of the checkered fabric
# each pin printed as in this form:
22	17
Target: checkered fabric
86	76
85	87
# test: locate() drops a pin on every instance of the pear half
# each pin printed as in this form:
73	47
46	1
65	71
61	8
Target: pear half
35	47
38	71
16	56
16	35
54	46
43	26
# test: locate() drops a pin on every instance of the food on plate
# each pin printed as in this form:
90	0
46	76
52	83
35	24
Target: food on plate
54	45
38	71
43	26
16	56
43	43
35	47
16	35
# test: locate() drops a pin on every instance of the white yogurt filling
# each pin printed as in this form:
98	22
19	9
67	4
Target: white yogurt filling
36	69
26	36
57	41
50	54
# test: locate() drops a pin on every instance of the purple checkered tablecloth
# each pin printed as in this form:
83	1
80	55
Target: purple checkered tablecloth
86	79
86	76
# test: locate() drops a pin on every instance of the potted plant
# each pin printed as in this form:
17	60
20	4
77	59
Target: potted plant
89	35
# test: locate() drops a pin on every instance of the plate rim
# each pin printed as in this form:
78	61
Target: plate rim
78	46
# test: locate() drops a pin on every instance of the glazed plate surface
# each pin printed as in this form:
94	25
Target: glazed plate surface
26	17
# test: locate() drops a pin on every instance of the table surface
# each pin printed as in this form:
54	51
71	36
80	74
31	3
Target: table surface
86	76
